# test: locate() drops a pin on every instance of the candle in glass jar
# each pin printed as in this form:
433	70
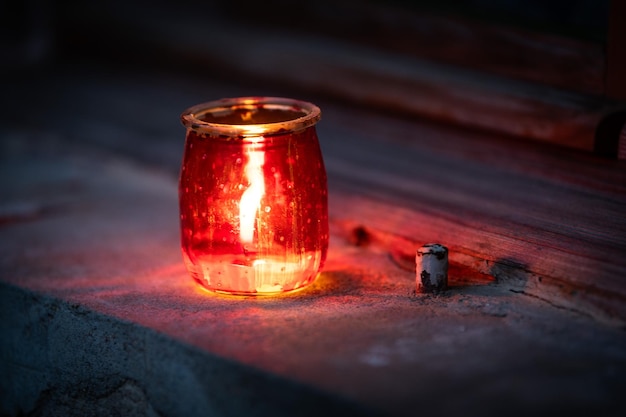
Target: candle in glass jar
253	195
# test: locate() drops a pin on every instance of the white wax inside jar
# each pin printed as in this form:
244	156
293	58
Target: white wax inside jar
259	275
271	276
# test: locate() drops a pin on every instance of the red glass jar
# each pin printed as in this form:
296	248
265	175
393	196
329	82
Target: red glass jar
253	195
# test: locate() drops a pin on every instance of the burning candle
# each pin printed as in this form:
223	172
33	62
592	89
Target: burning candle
253	195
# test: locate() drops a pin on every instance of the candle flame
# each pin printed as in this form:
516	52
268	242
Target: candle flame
251	198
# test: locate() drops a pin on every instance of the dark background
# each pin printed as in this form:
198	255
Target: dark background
39	32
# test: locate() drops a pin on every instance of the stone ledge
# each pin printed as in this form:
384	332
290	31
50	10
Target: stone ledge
59	358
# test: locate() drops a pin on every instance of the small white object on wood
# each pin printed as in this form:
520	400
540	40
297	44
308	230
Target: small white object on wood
431	268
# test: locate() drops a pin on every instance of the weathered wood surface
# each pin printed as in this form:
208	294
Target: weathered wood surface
95	298
550	220
98	316
523	213
357	74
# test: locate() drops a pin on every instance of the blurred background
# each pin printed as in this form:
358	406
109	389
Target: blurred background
149	32
531	69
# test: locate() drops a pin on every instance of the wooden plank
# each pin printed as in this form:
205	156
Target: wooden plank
96	292
544	220
361	76
517	217
443	35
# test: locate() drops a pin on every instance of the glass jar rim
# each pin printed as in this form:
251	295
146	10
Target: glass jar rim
308	115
